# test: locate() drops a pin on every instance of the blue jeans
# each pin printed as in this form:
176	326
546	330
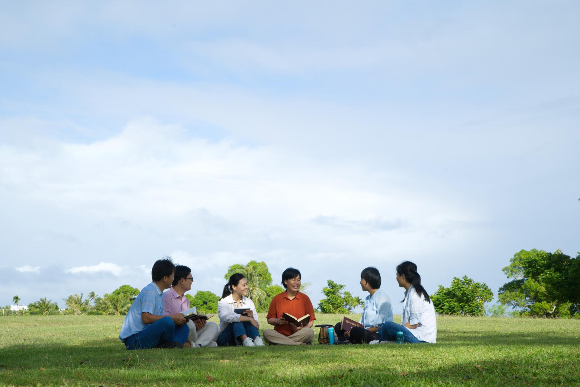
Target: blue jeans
162	330
234	330
389	331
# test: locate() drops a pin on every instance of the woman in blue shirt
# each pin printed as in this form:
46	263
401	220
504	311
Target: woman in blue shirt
377	310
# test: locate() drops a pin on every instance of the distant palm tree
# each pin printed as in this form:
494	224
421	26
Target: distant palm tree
16	300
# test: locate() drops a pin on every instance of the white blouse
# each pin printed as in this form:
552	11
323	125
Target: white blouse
226	308
416	310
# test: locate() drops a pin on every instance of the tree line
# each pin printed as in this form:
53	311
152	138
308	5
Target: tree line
542	284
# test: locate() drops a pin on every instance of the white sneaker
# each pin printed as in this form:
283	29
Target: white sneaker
374	342
258	342
212	344
193	345
248	342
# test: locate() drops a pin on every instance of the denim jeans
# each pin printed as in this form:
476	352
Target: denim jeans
234	330
162	330
389	333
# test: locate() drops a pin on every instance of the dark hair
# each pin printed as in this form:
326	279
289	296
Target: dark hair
234	281
180	272
161	268
289	274
372	276
409	270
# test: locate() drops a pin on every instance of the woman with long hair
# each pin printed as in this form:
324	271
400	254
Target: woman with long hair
418	322
238	328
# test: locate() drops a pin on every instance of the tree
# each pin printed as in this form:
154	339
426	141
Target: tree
76	305
43	307
543	284
336	300
16	300
118	302
271	292
464	297
258	277
205	301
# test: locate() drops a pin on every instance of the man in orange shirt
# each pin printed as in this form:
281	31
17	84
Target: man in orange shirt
294	303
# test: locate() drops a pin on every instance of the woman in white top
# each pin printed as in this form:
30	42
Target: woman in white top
235	327
418	322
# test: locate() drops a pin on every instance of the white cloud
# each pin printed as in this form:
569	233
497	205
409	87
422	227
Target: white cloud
103	267
28	269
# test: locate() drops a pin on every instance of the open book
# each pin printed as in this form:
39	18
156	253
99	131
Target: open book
191	314
304	320
240	310
347	324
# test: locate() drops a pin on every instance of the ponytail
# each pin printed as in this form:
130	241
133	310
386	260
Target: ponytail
234	280
409	270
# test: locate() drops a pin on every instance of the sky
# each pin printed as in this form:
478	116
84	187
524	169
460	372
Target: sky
327	136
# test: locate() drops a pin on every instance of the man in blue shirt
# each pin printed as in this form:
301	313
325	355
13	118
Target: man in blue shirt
377	310
145	326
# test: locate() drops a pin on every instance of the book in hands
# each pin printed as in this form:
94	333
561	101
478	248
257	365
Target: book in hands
240	310
302	321
347	324
191	314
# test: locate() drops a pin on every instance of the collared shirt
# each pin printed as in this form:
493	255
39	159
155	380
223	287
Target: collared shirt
150	300
299	306
377	309
226	312
173	303
417	310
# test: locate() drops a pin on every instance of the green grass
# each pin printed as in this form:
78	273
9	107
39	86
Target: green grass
85	350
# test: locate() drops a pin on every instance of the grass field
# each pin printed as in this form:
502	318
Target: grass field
85	350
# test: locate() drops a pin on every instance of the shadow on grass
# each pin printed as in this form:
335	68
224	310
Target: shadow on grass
107	361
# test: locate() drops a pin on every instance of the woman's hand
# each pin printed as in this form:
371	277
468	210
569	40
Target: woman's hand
255	323
199	324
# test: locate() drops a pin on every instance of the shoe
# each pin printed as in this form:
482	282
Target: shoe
248	342
258	342
374	342
212	344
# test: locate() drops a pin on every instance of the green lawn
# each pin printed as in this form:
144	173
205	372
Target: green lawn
85	350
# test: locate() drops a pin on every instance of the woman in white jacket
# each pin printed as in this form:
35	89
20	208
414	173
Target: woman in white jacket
236	328
418	322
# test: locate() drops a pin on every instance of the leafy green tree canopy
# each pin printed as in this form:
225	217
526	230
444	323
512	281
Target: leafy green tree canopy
118	302
543	284
336	300
205	301
464	297
271	292
76	305
43	307
258	277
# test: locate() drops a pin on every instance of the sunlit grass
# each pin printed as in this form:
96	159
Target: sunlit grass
85	350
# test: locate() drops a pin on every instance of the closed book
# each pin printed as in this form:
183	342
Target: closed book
347	324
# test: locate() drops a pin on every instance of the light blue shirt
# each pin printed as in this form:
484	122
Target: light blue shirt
150	300
377	310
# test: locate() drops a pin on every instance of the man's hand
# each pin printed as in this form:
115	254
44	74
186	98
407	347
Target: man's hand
295	328
347	333
282	321
199	324
179	319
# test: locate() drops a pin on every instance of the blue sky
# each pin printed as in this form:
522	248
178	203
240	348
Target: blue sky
326	136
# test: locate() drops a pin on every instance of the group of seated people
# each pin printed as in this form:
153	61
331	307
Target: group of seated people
155	318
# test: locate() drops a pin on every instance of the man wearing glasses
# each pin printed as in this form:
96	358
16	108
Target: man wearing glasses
201	332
